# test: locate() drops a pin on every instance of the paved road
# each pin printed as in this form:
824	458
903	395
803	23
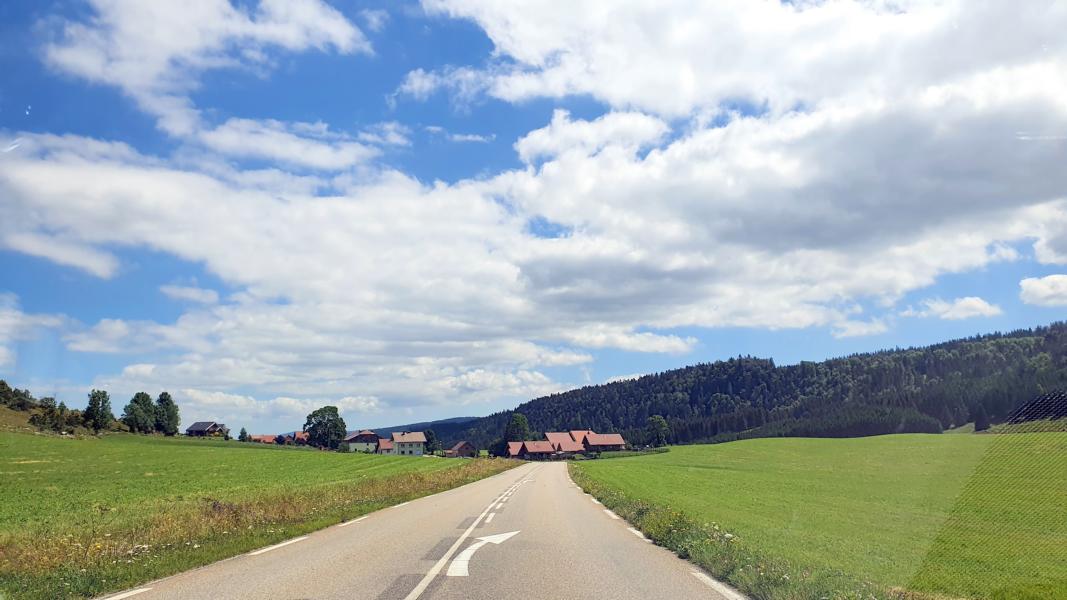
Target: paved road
455	546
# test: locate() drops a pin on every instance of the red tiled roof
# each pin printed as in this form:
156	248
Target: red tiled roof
384	444
367	436
459	445
514	448
263	438
563	442
409	437
605	439
539	447
301	436
579	436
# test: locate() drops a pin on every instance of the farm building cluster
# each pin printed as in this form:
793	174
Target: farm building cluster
566	444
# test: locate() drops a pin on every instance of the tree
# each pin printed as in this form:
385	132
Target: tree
166	413
981	419
243	436
325	428
659	432
97	415
432	443
518	429
140	414
280	439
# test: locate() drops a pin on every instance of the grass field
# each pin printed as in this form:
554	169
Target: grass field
953	516
83	516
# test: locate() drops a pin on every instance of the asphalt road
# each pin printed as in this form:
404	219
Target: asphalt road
456	545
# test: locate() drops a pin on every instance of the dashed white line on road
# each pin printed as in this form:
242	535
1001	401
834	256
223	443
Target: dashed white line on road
402	504
611	514
489	519
276	546
129	593
347	523
595	501
727	591
639	534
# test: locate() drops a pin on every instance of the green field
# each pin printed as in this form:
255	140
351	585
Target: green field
82	516
953	516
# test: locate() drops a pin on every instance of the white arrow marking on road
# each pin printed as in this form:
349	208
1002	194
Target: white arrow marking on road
458	568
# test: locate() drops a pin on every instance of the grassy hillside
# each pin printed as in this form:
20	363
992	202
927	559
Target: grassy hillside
82	516
973	516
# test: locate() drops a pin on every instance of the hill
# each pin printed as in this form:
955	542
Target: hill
923	389
941	516
449	426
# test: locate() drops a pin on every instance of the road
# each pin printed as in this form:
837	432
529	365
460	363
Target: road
526	533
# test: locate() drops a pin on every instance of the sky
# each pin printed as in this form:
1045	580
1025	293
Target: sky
424	210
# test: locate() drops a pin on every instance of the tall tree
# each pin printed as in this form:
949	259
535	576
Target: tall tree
166	413
432	443
98	415
518	429
140	414
325	428
243	436
981	419
659	432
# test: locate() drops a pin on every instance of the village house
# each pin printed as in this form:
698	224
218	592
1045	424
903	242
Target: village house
409	443
564	444
362	441
535	450
604	442
462	449
262	438
514	449
385	446
207	429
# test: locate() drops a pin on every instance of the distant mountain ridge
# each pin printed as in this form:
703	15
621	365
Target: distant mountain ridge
922	389
441	425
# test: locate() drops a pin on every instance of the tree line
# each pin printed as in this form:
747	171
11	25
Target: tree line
140	415
925	389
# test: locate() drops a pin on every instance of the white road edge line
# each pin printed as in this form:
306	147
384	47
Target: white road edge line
276	546
128	594
402	504
727	591
436	568
347	523
611	514
639	534
595	501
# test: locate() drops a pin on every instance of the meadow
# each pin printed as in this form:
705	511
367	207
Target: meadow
79	517
896	516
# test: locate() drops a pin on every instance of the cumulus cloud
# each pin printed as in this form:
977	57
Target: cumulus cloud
1044	291
190	293
16	325
960	308
626	130
302	144
848	329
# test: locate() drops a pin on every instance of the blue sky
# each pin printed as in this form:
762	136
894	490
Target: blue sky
417	211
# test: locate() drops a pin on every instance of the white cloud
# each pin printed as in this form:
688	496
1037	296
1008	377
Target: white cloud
630	131
960	308
302	144
471	137
16	325
375	19
190	293
62	251
848	328
675	57
1050	290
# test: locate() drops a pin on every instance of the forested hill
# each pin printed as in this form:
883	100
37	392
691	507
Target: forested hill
903	390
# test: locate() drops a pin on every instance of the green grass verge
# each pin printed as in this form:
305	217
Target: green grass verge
80	517
922	516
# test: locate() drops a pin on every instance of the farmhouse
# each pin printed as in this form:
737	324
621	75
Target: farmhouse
262	439
564	444
463	448
604	442
409	443
533	450
385	446
207	429
362	441
514	449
